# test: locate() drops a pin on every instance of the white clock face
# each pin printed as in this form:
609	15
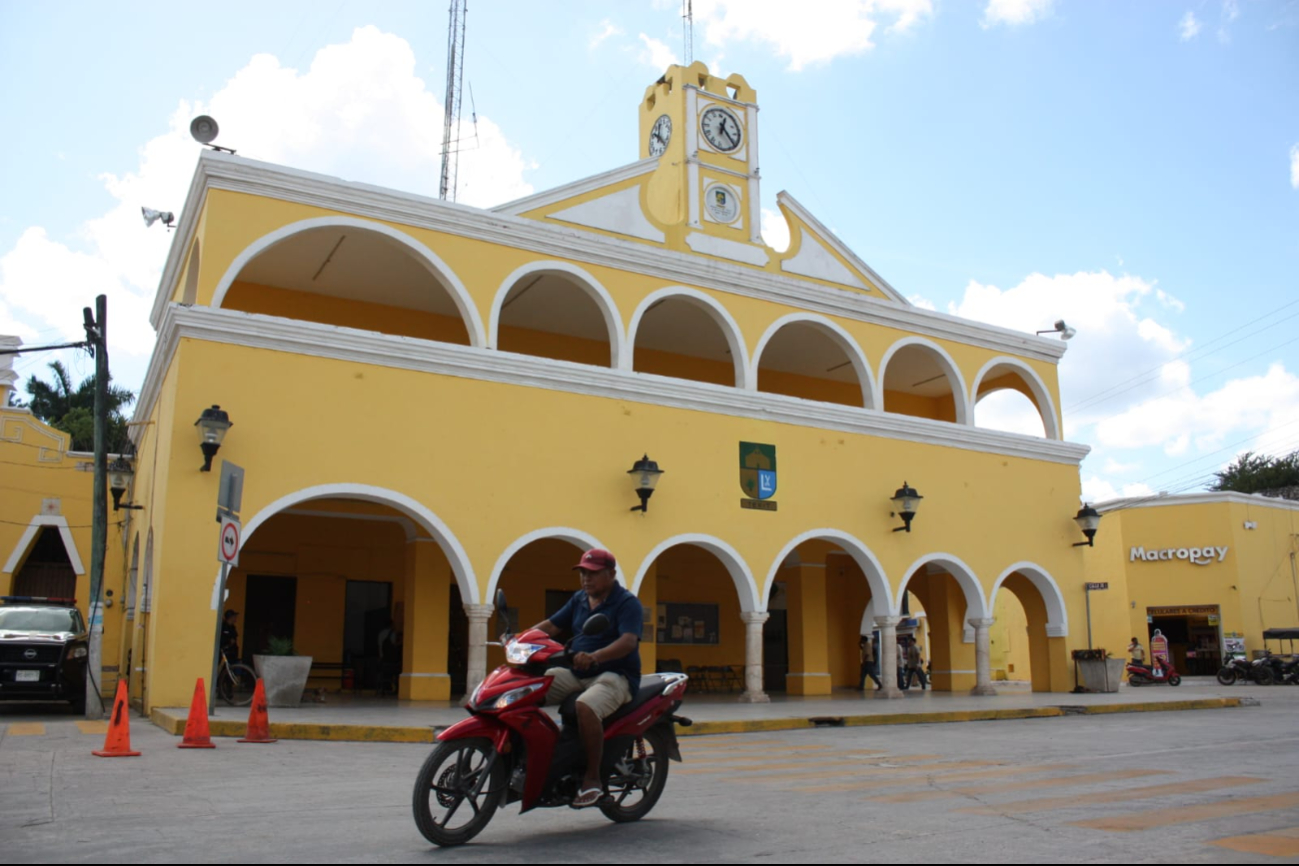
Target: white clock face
722	129
722	203
660	135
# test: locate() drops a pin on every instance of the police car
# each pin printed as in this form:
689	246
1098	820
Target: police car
44	646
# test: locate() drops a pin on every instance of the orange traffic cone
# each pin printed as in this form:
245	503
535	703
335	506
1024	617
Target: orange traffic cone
197	735
259	724
118	742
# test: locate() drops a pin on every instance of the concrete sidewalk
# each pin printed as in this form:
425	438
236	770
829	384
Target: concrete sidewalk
370	719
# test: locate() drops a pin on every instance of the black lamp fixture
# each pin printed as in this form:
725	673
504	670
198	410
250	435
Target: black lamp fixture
1088	519
644	475
906	501
120	474
212	426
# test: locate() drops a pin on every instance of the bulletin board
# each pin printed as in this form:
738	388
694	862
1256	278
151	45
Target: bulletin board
688	624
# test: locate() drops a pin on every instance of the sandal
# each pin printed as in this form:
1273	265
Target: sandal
587	797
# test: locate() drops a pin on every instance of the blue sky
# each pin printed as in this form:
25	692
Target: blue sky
1130	167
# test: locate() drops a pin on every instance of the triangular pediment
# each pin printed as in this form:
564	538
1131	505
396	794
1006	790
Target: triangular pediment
816	253
608	202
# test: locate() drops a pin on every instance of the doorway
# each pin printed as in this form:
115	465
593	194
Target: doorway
270	604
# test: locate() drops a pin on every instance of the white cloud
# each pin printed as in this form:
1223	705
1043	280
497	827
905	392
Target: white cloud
1188	28
775	230
607	30
812	32
657	54
1294	166
360	112
1014	13
1009	411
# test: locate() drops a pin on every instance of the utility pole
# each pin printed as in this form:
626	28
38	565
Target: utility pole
97	339
688	28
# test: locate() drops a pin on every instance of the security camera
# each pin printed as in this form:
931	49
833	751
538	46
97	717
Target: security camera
152	216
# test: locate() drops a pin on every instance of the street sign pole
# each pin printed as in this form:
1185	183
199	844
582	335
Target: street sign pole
216	649
1089	616
229	541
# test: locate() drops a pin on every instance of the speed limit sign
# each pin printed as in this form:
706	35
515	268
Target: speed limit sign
228	545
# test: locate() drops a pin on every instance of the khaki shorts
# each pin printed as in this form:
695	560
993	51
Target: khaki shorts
603	694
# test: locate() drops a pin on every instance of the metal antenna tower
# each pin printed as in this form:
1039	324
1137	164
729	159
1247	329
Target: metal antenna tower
451	104
688	20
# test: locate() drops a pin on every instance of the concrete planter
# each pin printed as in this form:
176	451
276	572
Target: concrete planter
285	678
1101	675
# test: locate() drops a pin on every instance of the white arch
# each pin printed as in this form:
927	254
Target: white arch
960	394
29	535
745	586
1057	614
583	540
861	554
730	329
430	260
446	539
976	603
1045	405
845	341
585	282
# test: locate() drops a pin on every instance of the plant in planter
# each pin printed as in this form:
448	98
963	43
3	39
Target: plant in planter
284	673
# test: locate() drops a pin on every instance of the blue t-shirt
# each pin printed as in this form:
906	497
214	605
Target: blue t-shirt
625	616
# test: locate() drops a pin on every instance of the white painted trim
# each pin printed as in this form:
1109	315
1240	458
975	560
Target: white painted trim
736	251
730	329
861	554
583	540
29	535
578	188
431	261
845	341
832	240
415	676
587	283
976	603
745	586
417	511
1057	612
960	394
1045	405
1208	498
294	336
217	171
408	526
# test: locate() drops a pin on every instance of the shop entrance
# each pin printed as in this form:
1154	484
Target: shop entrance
1193	636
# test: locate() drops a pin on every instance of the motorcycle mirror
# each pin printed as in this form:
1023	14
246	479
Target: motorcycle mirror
595	624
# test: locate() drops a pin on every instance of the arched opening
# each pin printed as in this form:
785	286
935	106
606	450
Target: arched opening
1031	618
559	312
352	274
950	596
812	359
921	380
687	335
1011	397
366	583
47	569
538	579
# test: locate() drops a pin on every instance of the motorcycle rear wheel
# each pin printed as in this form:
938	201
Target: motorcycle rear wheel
1137	680
1264	677
456	793
1226	676
637	783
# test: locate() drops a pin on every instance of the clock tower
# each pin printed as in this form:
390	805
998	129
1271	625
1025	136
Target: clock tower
704	131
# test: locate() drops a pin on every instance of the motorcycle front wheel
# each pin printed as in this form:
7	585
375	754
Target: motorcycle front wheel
457	791
638	779
1226	676
1175	680
1264	677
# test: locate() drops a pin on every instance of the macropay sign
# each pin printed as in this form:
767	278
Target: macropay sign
1197	555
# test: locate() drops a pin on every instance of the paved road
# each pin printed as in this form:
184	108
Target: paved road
1205	786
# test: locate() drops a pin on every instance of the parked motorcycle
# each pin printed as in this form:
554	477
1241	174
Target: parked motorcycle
510	748
1237	668
1158	672
1269	669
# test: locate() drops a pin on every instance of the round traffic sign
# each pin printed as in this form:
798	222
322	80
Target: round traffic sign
229	541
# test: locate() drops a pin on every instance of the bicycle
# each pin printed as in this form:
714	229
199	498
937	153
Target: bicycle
235	683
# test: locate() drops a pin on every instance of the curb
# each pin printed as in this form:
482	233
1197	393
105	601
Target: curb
174	724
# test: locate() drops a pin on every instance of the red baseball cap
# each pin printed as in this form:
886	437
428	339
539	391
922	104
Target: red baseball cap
597	559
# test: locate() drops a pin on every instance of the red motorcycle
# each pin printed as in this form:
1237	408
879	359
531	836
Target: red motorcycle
510	749
1158	672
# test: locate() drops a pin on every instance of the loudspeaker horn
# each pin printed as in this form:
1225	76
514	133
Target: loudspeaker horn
204	129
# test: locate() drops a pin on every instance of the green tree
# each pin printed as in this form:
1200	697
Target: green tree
1255	473
72	410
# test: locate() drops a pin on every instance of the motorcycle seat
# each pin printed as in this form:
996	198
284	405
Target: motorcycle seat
651	686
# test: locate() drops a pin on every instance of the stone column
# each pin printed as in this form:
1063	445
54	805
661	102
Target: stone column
753	621
888	656
982	657
478	615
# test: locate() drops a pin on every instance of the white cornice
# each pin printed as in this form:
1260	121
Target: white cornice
1207	498
233	327
236	174
580	187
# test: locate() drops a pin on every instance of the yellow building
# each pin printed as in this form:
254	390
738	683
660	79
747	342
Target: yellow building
45	521
432	401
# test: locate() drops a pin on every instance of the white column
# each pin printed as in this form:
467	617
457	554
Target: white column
888	626
982	657
753	621
478	615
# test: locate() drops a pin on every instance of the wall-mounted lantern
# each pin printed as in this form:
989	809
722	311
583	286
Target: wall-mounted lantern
905	503
644	476
120	474
1088	519
212	426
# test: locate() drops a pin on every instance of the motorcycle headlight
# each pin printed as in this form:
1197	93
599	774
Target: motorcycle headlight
519	653
515	695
